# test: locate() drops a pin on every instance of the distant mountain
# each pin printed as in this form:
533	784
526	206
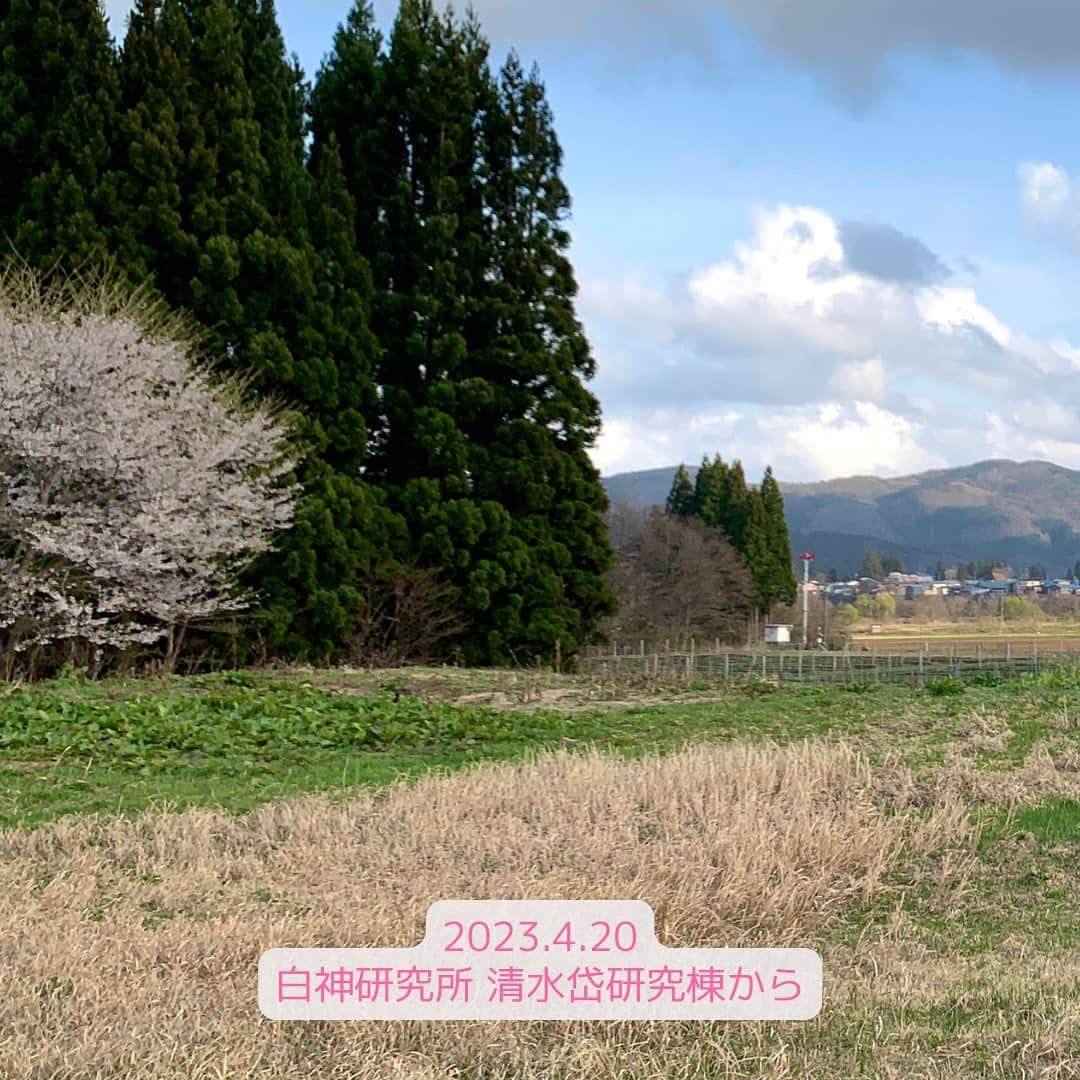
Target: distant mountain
1021	512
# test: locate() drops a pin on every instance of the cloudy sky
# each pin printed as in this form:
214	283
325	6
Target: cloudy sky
838	236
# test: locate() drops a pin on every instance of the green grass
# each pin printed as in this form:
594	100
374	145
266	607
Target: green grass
70	747
245	738
1057	821
1023	885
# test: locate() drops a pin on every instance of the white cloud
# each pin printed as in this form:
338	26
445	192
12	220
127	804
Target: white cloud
784	354
862	380
953	308
1045	189
840	441
1010	438
632	444
1050	201
800	442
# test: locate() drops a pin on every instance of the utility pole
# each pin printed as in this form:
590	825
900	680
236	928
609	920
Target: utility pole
807	557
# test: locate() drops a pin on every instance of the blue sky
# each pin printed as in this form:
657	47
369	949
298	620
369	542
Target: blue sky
839	237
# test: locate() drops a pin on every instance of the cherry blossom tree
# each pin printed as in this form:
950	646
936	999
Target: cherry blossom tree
134	484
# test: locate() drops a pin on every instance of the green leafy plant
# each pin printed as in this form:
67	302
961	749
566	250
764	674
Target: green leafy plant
946	687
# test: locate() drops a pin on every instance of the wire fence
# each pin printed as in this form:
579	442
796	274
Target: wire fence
623	662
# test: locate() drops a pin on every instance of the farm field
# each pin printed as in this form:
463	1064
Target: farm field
157	836
987	643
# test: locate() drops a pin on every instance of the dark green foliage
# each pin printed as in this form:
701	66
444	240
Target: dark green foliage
256	725
680	502
433	85
878	566
402	290
159	128
739	508
59	101
984	569
722	499
946	687
531	419
712	496
781	586
485	421
348	107
752	519
756	551
235	228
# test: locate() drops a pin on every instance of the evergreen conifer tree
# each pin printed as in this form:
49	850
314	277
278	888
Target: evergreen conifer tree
680	500
59	100
524	405
757	551
484	420
712	494
235	230
783	586
737	513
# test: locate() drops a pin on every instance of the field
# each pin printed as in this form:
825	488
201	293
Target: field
159	835
987	643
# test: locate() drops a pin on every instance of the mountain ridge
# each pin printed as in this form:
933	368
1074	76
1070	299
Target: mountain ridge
1023	512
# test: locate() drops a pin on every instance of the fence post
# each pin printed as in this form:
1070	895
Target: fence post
727	666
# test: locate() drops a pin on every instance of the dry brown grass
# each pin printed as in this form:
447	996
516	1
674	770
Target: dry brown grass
130	947
1051	769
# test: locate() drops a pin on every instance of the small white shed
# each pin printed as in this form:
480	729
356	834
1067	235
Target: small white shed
778	633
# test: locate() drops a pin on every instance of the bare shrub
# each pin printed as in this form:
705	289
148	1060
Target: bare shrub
674	576
409	620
